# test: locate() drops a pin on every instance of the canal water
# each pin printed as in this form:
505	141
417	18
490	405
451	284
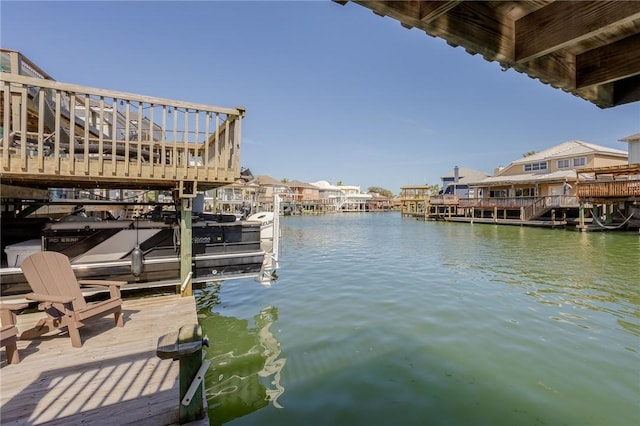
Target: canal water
377	319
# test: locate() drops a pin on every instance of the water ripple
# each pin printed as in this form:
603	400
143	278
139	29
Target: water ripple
384	320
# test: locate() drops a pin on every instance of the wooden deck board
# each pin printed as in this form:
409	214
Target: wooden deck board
115	378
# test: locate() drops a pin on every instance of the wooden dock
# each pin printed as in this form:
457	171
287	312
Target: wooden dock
115	378
514	222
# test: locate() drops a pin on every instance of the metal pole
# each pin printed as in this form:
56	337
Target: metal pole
185	246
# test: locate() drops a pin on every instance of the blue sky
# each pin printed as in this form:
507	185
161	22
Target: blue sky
332	92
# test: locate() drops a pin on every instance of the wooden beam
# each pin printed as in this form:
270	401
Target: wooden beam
609	63
626	91
432	10
11	191
564	23
478	27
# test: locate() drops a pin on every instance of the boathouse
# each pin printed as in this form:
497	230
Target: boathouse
611	192
62	135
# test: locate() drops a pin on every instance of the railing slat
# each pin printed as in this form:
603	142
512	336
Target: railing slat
114	136
72	133
87	111
174	159
127	132
23	127
101	138
40	157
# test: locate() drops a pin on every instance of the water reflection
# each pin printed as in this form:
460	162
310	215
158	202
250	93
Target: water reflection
245	361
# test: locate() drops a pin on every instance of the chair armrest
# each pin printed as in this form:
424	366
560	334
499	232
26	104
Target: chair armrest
101	283
8	312
13	306
49	298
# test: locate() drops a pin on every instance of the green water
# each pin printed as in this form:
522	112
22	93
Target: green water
380	320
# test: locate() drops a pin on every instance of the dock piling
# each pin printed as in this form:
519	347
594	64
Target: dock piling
186	347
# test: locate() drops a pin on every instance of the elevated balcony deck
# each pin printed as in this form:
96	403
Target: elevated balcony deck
610	184
63	135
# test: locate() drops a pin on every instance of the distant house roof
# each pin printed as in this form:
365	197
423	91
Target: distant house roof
527	178
299	184
268	180
325	185
632	138
570	149
465	176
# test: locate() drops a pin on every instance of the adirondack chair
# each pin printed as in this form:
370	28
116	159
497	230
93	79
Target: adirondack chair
57	289
9	331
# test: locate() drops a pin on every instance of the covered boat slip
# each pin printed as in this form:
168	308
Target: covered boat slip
60	135
115	374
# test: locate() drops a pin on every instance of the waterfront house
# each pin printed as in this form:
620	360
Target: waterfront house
355	199
378	203
238	197
331	196
455	186
540	185
535	189
633	142
268	187
306	196
457	182
414	199
548	172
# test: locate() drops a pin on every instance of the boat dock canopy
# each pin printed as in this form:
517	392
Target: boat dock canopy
57	134
588	48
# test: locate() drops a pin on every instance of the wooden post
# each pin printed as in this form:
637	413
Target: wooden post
186	347
185	245
189	366
608	214
581	215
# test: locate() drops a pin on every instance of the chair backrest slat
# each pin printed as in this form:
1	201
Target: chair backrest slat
49	272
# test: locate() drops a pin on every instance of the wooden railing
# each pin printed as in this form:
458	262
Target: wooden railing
60	134
499	202
446	199
608	189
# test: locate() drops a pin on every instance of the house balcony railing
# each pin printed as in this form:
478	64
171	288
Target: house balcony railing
499	202
62	135
609	189
446	199
518	202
